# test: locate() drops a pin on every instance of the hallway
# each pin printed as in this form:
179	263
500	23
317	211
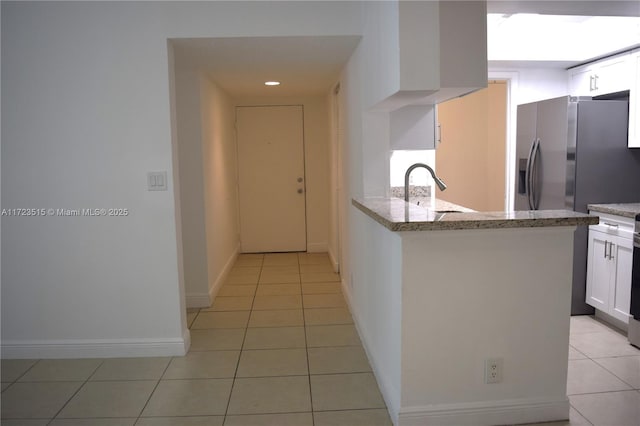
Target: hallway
278	347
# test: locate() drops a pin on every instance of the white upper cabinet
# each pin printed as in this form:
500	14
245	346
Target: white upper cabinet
616	74
413	127
442	52
600	78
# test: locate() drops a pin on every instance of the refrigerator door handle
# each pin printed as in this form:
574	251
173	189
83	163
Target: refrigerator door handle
535	193
528	175
534	200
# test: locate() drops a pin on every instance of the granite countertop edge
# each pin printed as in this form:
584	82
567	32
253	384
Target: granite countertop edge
398	216
629	210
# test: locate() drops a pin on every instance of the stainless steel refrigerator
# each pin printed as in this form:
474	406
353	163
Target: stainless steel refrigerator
572	152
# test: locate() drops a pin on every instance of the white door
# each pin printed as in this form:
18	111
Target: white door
271	178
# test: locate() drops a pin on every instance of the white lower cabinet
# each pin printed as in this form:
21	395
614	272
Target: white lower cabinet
609	265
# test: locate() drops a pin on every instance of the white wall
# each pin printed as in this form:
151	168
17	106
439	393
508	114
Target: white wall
190	136
371	75
87	113
335	128
317	134
220	182
375	296
454	318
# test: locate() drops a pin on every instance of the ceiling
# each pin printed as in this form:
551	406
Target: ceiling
567	7
311	65
559	34
241	65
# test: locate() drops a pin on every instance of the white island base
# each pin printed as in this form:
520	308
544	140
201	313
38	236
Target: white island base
432	306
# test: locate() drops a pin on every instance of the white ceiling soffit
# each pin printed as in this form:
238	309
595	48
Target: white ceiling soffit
570	7
306	65
559	34
533	37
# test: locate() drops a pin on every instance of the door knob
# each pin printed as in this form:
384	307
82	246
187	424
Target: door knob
300	191
299	179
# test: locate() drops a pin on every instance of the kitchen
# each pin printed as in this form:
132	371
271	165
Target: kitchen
391	215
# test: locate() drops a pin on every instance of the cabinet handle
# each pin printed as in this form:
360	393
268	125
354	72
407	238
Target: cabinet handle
595	79
591	83
611	251
605	249
613	225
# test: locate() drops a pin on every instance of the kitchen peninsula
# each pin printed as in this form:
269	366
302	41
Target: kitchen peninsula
445	290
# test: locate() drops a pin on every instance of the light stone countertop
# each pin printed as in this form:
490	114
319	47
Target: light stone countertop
397	215
624	209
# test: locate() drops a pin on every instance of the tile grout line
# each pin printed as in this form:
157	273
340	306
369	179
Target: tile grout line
76	392
244	338
598	364
139	416
614	374
306	348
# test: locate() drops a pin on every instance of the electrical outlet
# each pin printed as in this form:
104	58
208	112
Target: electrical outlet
493	370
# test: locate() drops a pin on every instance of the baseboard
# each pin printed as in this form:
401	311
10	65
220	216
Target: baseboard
317	247
389	393
612	321
334	261
198	300
516	411
92	348
222	277
204	300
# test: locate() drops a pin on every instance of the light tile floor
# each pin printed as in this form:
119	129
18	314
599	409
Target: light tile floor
603	381
278	347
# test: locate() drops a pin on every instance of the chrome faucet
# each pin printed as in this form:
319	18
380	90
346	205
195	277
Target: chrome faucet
438	181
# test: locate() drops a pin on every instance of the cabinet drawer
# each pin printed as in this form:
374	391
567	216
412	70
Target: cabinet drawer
614	225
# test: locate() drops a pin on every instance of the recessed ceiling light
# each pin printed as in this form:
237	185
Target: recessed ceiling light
271	83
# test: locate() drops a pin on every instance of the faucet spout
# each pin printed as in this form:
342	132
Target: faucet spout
437	180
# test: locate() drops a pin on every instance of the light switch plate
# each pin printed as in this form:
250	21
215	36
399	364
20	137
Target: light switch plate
157	181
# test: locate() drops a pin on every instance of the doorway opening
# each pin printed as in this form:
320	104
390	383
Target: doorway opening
473	155
212	79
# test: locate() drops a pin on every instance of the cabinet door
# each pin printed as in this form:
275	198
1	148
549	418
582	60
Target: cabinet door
581	82
613	75
598	271
603	77
621	280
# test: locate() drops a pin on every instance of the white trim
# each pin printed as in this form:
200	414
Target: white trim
204	300
198	300
513	411
389	393
317	247
334	261
96	348
512	109
215	288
